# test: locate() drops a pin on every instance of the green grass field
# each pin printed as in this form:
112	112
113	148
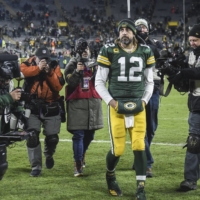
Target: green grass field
60	184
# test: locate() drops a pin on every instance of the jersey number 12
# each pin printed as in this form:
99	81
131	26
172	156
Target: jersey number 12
132	70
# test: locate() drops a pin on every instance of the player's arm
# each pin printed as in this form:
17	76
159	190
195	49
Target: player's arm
149	85
100	83
148	74
102	74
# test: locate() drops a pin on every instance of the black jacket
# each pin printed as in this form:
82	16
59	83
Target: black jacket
193	74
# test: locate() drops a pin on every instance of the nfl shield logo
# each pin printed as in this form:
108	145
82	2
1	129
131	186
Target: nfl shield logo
44	51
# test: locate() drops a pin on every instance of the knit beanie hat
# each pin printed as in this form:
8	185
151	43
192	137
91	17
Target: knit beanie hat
195	31
127	23
141	21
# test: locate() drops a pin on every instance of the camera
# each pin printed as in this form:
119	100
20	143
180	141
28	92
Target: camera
171	59
27	97
81	46
9	70
170	62
5	140
52	63
9	67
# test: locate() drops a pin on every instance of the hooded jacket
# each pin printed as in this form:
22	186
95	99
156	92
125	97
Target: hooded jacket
84	108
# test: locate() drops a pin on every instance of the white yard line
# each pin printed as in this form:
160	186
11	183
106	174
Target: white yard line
163	118
107	141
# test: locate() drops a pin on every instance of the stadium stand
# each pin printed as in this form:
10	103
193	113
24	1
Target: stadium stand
28	24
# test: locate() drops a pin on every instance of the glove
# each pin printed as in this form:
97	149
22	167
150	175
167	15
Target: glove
175	78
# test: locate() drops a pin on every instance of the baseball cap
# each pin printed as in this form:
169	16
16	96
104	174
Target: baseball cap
42	52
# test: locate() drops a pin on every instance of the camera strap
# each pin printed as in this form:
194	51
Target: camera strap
161	88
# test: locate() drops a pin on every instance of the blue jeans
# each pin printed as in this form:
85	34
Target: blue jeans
152	123
192	161
81	140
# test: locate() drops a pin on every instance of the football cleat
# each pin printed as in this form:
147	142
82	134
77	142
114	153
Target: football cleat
140	193
113	186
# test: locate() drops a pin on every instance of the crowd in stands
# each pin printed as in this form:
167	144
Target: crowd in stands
38	23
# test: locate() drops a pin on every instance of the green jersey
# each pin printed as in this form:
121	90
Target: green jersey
126	70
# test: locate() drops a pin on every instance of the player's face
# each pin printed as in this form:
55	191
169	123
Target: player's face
194	42
126	35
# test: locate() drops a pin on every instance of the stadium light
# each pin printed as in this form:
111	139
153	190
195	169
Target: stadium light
184	23
128	9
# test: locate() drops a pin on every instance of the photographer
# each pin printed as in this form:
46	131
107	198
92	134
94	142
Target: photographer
192	161
43	80
84	109
9	69
9	96
143	30
6	101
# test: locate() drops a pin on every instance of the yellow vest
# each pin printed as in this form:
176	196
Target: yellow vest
3	44
65	61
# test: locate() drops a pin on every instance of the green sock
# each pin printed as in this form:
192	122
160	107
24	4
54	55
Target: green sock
111	161
140	163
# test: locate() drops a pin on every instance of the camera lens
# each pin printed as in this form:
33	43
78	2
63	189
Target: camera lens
84	45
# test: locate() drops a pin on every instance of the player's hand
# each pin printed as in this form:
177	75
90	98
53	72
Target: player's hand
16	94
143	103
113	103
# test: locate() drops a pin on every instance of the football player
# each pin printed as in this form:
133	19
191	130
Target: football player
127	65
